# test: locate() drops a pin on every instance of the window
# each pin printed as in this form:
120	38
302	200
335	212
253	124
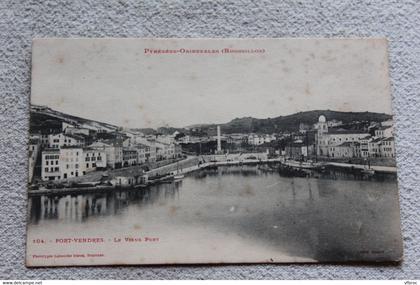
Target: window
87	165
46	162
56	169
77	166
56	162
93	164
46	169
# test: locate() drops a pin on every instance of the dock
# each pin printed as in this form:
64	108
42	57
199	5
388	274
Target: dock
376	168
169	176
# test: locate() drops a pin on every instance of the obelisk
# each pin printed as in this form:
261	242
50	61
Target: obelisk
219	142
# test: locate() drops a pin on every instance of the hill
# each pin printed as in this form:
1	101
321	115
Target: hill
291	122
46	118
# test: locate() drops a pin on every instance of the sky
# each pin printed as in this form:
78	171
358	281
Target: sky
115	81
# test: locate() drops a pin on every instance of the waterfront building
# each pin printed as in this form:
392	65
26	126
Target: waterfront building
146	147
123	181
165	151
327	138
374	147
178	150
364	146
141	152
94	159
387	147
297	150
50	164
345	150
113	150
130	157
71	161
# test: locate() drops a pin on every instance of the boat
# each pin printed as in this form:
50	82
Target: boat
368	171
179	176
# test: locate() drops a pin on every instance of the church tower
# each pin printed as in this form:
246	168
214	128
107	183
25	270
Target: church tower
321	138
322	125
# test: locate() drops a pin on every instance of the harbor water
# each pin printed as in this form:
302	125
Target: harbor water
226	214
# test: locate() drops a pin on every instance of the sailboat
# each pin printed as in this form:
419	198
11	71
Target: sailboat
367	170
178	176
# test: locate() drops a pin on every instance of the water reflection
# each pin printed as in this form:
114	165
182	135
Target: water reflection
78	208
331	218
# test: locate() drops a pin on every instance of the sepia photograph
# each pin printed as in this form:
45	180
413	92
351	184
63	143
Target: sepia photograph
211	151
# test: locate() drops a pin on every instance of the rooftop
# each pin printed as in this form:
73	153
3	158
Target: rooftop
388	139
345	131
51	150
71	147
348	144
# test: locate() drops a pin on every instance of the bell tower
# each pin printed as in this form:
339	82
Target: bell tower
320	139
322	125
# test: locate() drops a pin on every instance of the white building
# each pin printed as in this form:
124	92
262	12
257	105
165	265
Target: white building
130	157
62	140
364	146
387	147
145	153
50	164
348	143
94	159
327	138
384	132
69	162
345	150
113	150
165	151
255	139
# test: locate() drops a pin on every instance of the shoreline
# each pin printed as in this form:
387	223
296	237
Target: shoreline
292	164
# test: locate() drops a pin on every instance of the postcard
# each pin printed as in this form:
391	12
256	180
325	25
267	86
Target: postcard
210	151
